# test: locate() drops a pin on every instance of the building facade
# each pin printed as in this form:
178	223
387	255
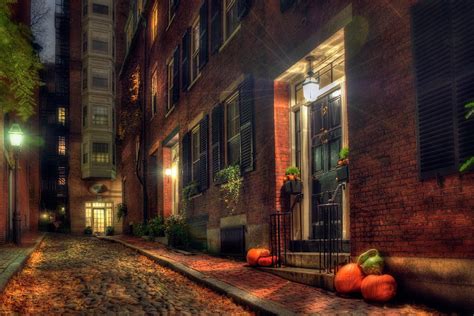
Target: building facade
27	183
220	83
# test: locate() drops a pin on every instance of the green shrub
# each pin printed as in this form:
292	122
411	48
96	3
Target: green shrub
177	231
231	186
140	230
292	171
88	230
156	227
109	231
122	210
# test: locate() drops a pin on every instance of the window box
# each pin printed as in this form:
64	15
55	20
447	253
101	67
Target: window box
342	173
293	187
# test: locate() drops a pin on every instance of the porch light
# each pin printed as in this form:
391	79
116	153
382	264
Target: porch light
16	135
168	172
310	85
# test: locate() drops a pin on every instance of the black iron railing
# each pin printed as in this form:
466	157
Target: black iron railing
280	235
329	225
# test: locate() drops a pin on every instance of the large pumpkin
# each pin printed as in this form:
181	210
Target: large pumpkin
379	288
348	279
255	253
267	261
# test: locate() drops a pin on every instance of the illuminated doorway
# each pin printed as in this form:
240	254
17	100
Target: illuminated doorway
98	216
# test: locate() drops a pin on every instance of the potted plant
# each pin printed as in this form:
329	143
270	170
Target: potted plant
88	231
109	231
342	170
293	184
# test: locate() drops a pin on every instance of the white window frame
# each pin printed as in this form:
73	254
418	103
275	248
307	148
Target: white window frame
228	4
195	34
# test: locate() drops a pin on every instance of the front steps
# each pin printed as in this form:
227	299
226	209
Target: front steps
310	277
312	260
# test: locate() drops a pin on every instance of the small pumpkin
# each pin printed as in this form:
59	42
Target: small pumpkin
371	262
348	279
379	288
254	254
267	261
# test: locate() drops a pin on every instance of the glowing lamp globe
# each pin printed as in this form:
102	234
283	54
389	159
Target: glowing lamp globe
16	135
310	89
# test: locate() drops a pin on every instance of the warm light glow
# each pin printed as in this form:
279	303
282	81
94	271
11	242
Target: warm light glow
310	89
44	215
168	172
16	135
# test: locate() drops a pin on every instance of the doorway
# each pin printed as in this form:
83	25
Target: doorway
98	216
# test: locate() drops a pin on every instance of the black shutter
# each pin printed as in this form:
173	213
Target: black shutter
217	139
174	5
463	59
203	34
286	4
186	58
176	75
243	8
432	55
247	143
203	154
187	174
216	25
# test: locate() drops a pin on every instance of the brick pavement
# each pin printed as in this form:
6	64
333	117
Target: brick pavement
13	257
293	296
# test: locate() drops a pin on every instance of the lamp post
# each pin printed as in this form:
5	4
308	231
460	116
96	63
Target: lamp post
16	138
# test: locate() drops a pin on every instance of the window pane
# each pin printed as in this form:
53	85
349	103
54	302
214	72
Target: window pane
100	46
325	76
100	115
195	153
100	153
232	19
100	81
88	216
61	145
62	116
100	9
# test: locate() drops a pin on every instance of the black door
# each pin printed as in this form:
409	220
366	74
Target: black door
326	142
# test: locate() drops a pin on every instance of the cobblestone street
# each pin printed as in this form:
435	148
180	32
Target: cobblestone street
72	274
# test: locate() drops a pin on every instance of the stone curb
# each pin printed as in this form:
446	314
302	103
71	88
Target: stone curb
259	305
17	265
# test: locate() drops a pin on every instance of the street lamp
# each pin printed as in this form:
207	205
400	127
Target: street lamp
16	138
311	84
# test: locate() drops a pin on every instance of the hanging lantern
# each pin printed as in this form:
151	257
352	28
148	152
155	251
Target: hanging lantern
311	84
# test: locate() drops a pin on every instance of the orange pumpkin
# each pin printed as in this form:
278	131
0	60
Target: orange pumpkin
267	261
255	253
348	279
379	288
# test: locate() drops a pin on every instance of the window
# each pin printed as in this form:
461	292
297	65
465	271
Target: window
195	153
85	7
100	115
100	81
88	216
154	92
100	153
62	116
84	42
231	18
170	71
84	115
85	153
61	145
61	181
195	39
108	217
172	6
154	22
84	78
443	46
100	46
100	9
233	130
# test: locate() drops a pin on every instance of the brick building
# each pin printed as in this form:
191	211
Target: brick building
28	180
221	83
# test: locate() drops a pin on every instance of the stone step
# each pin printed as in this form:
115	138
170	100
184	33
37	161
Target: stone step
310	277
312	260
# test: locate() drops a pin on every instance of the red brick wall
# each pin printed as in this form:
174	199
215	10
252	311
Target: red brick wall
391	209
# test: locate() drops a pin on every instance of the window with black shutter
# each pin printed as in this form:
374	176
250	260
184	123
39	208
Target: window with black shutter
217	134
185	62
187	173
216	25
176	76
443	46
203	34
203	179
246	116
243	8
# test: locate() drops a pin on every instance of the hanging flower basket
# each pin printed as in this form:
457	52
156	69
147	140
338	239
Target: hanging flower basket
293	187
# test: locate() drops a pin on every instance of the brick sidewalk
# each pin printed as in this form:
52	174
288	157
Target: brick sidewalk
13	257
295	297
